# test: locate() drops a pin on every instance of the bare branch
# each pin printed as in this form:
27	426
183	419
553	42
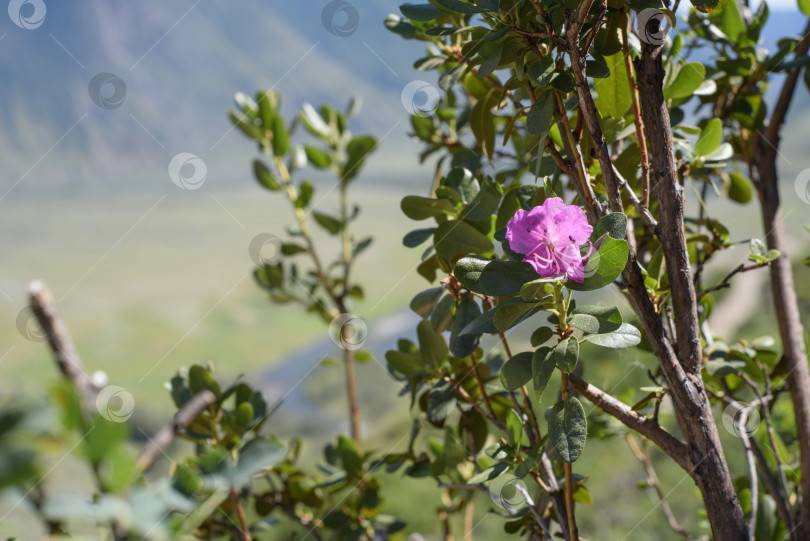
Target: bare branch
181	420
668	443
64	351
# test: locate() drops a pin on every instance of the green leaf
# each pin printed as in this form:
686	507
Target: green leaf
442	313
417	237
739	188
710	138
304	194
290	248
493	277
467	310
542	369
508	314
541	336
624	337
614	224
431	344
489	473
614	93
804	7
540	72
422	208
689	78
539	116
420	12
514	429
517	371
459	238
357	151
333	225
566	354
563	81
567	429
461	7
407	364
264	176
730	21
604	265
281	137
596	319
349	454
318	157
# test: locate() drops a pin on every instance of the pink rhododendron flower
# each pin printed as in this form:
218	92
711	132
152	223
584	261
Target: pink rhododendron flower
549	236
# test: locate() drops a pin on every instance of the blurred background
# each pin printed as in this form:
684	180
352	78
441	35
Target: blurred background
98	98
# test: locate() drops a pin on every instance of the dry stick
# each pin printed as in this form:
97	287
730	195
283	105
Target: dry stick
64	351
642	455
569	478
244	531
642	139
181	420
782	283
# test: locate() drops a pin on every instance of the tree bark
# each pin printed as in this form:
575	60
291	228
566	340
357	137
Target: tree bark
787	315
711	473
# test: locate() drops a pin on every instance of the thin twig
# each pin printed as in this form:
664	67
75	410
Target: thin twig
184	417
642	454
726	282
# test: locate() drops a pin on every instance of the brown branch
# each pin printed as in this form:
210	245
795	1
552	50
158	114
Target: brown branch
244	531
640	136
788	89
582	185
64	351
669	444
726	282
184	417
692	405
782	283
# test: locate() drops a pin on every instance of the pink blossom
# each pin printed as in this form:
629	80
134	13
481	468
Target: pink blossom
549	237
